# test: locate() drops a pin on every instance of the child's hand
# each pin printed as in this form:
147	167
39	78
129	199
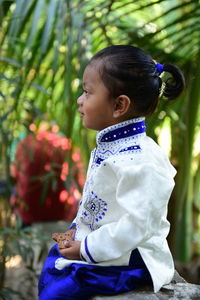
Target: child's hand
71	250
60	238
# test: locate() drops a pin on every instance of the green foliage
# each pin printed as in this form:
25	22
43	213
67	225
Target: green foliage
45	46
7	293
18	241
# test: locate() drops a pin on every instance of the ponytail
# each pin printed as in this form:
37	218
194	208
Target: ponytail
175	84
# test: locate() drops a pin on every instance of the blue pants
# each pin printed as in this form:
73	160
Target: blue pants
81	281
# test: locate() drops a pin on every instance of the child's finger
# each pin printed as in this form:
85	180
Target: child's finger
63	252
66	244
66	252
72	252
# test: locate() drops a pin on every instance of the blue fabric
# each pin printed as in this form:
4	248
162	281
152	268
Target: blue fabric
124	132
81	281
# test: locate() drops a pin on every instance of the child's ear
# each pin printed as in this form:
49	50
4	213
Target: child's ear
121	106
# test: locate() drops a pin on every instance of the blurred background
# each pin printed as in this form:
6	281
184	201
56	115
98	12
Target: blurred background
44	151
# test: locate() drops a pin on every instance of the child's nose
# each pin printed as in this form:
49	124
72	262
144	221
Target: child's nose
80	100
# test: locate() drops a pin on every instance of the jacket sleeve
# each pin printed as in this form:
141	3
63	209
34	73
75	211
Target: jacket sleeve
142	194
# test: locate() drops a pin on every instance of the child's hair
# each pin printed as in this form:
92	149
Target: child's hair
127	70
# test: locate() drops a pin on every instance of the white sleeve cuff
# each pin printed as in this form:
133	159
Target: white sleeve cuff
85	252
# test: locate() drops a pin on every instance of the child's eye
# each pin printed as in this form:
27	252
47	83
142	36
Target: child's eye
85	92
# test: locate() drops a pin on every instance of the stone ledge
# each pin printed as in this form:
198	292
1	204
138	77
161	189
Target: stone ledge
177	289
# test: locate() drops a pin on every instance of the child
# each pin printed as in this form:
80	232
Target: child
119	234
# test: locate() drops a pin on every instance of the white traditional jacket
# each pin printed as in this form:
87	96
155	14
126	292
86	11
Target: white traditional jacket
124	203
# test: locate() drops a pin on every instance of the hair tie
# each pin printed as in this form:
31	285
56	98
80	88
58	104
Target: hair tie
160	68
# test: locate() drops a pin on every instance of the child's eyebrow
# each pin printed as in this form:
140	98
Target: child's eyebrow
87	83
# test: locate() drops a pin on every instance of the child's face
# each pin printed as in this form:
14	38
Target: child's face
96	107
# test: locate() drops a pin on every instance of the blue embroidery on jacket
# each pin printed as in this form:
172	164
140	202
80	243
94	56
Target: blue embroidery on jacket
94	211
135	147
118	139
124	132
99	160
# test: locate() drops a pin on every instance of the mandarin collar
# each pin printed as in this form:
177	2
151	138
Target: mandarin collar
121	130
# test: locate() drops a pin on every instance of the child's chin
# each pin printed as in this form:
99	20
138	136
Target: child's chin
89	126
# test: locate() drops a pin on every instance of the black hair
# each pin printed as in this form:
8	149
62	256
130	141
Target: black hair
128	70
